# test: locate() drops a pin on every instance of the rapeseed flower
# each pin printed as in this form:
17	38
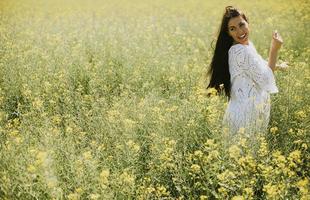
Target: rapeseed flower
195	168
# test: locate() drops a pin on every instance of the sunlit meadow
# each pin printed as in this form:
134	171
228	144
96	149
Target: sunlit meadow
108	100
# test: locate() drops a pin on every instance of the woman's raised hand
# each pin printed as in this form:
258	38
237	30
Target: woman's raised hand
276	41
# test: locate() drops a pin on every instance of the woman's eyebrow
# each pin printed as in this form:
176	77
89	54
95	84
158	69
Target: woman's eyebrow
232	26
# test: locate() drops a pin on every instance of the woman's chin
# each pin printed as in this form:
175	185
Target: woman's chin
244	42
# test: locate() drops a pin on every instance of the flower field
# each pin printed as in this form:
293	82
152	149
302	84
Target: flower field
108	100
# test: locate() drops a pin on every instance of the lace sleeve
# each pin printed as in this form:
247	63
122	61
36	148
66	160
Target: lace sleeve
254	67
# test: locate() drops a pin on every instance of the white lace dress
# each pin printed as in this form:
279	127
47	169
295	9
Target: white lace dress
252	81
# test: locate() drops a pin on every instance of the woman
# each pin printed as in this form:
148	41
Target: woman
246	78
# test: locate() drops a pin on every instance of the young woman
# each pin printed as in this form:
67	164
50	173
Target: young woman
247	79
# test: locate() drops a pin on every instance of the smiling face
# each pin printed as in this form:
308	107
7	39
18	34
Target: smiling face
238	29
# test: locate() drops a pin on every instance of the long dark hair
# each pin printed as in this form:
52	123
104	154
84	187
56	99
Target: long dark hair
219	70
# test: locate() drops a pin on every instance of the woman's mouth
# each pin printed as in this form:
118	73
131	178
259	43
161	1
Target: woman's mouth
241	37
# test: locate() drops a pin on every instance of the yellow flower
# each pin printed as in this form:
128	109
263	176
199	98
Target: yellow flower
203	197
301	114
191	123
87	155
295	157
130	143
56	119
113	115
161	102
237	198
129	124
234	151
248	191
172	79
136	148
52	183
37	103
243	142
211	156
223	190
41	157
300	132
73	196
304	146
291	131
247	162
226	175
27	92
267	171
18	140
161	190
241	130
263	150
273	130
195	168
172	142
149	190
69	129
31	168
210	144
198	153
79	190
94	196
14	133
271	190
303	185
127	179
104	175
55	131
279	159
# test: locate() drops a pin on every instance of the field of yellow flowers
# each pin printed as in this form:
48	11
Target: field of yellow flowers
108	100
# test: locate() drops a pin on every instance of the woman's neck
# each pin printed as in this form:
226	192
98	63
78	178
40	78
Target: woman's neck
247	44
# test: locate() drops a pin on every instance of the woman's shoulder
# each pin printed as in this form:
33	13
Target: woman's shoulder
240	48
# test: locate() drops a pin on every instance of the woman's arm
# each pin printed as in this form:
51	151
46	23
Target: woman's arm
276	43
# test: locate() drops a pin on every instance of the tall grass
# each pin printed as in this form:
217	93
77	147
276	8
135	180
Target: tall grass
107	100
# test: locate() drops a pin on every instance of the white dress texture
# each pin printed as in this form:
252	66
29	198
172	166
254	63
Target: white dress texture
252	81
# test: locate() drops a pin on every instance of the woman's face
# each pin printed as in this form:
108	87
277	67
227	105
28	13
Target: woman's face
238	29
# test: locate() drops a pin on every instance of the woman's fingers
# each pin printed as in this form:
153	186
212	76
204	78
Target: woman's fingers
276	36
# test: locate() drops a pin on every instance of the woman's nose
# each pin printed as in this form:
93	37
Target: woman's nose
239	31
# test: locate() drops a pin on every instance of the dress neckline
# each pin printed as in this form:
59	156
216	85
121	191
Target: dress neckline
247	45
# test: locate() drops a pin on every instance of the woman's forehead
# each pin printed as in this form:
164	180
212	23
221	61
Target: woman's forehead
235	21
